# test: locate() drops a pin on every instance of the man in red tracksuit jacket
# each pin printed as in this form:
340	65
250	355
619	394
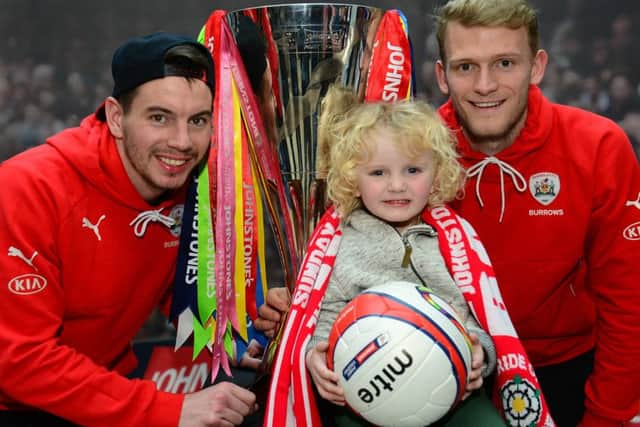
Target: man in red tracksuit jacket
89	230
554	194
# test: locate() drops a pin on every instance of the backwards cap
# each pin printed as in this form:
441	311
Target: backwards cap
142	59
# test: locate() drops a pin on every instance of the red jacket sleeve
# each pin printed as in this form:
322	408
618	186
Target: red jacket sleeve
36	369
613	256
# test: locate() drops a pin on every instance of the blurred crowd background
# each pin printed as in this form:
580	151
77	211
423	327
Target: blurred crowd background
55	55
55	59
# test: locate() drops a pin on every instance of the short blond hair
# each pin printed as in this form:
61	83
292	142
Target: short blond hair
512	14
344	129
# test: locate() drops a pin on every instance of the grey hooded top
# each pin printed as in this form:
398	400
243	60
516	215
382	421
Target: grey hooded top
371	253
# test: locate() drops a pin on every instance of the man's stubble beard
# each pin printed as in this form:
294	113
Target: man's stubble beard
505	138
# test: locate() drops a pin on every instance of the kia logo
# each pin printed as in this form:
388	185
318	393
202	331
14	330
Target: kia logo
632	232
27	284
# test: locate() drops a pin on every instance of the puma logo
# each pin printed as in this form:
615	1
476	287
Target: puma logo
635	203
18	254
94	227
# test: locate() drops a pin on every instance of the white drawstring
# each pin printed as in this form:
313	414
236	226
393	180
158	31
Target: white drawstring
518	180
140	222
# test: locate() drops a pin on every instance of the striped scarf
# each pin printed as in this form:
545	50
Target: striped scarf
516	391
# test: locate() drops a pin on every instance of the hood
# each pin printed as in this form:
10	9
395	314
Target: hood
533	136
91	150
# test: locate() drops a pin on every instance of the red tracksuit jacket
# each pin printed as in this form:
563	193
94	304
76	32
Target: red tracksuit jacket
76	283
567	251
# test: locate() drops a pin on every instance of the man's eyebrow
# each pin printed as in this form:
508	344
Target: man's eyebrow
207	112
158	109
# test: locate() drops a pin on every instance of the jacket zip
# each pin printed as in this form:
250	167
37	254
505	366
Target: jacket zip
406	258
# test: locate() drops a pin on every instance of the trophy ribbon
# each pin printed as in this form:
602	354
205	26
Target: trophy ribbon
236	188
390	71
387	77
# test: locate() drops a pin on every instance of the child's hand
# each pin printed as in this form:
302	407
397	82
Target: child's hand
326	380
477	361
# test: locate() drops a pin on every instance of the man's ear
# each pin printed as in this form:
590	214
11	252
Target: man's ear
441	75
114	114
538	67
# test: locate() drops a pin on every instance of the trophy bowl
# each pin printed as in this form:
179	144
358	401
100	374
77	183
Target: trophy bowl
314	45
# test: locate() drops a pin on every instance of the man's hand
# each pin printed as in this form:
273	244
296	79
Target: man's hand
221	405
271	313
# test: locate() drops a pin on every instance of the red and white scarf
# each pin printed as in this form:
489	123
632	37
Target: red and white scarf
516	391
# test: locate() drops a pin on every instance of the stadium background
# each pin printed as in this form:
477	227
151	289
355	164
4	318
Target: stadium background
55	60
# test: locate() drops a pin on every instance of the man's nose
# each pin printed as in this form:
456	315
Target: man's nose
485	82
180	138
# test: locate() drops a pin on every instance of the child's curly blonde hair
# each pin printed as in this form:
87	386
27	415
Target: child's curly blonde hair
343	144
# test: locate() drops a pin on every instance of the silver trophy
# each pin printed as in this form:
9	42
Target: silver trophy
317	45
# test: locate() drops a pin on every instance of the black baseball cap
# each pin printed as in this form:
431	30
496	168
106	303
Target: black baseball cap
142	59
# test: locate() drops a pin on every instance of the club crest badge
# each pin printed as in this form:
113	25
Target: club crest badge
176	214
544	187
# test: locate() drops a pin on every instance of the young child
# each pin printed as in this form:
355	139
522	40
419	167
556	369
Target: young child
385	164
